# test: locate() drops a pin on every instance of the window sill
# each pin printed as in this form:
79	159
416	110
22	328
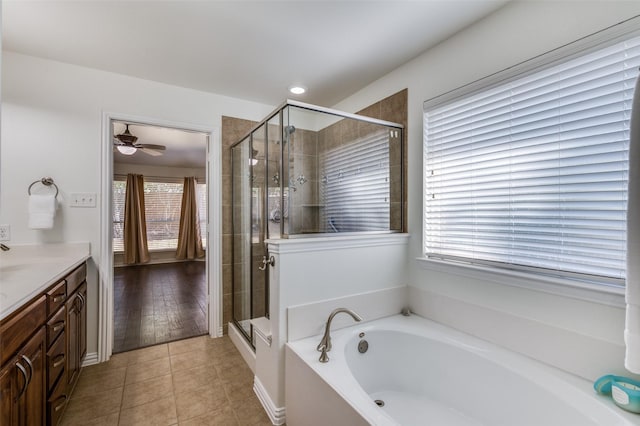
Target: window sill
606	295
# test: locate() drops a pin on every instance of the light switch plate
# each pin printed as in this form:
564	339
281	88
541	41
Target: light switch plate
83	199
5	233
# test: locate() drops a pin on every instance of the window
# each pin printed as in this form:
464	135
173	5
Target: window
163	202
531	173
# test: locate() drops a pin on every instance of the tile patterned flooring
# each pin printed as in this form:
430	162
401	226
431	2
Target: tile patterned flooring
198	381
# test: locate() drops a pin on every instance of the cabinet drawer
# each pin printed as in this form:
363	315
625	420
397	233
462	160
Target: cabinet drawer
56	297
56	325
75	278
56	403
56	358
15	331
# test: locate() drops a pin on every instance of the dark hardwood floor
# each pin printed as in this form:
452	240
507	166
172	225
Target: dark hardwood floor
158	303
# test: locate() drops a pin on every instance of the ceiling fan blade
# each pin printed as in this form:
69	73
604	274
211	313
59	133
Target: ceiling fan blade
151	146
150	151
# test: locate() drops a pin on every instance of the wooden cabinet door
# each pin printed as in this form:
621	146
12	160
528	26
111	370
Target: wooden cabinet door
82	324
73	305
7	395
32	403
23	385
76	334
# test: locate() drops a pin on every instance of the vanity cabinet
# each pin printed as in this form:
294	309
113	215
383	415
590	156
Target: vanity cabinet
22	385
42	346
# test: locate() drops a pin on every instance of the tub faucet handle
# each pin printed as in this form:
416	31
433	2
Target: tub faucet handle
406	311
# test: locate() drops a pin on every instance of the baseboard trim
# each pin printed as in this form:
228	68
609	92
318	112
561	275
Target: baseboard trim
90	359
277	415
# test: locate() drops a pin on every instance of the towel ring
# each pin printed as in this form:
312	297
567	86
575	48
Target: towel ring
46	182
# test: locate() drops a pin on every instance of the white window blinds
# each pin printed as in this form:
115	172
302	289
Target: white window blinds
532	173
355	185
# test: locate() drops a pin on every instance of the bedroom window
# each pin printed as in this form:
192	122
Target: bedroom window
530	174
163	202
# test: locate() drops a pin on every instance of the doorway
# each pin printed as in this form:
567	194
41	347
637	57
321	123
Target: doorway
163	297
159	217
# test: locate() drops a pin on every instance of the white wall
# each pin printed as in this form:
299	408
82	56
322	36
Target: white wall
585	338
51	126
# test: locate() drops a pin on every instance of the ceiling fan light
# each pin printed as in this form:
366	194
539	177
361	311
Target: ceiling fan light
126	150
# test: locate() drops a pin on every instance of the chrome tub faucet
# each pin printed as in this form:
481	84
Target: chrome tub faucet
325	344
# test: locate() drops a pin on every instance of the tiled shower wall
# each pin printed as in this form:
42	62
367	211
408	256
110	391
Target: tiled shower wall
232	130
392	108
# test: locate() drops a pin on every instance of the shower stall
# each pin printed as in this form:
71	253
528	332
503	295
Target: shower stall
308	171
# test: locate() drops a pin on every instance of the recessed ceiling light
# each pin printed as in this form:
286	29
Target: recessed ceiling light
297	90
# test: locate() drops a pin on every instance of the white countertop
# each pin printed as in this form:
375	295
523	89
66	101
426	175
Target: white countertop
27	270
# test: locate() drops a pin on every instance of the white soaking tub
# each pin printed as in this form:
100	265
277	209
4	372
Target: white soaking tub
427	374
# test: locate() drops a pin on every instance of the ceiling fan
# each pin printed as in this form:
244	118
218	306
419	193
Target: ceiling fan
126	144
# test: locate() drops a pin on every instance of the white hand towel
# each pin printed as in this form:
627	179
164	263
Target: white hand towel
632	328
42	211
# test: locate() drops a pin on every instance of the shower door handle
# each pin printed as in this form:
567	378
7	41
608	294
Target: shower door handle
265	262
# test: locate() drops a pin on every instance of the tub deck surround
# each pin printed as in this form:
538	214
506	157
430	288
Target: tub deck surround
27	270
426	373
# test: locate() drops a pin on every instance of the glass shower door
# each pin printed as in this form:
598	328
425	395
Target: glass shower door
259	273
253	169
241	205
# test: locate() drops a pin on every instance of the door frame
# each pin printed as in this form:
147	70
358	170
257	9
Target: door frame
214	227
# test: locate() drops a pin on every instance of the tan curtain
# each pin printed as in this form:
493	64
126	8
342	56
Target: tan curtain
189	239
135	223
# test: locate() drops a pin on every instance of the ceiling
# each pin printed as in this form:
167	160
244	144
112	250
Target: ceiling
183	148
251	50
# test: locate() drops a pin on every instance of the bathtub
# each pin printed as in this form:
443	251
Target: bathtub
423	373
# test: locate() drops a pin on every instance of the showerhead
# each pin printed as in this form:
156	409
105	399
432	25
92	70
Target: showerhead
289	129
